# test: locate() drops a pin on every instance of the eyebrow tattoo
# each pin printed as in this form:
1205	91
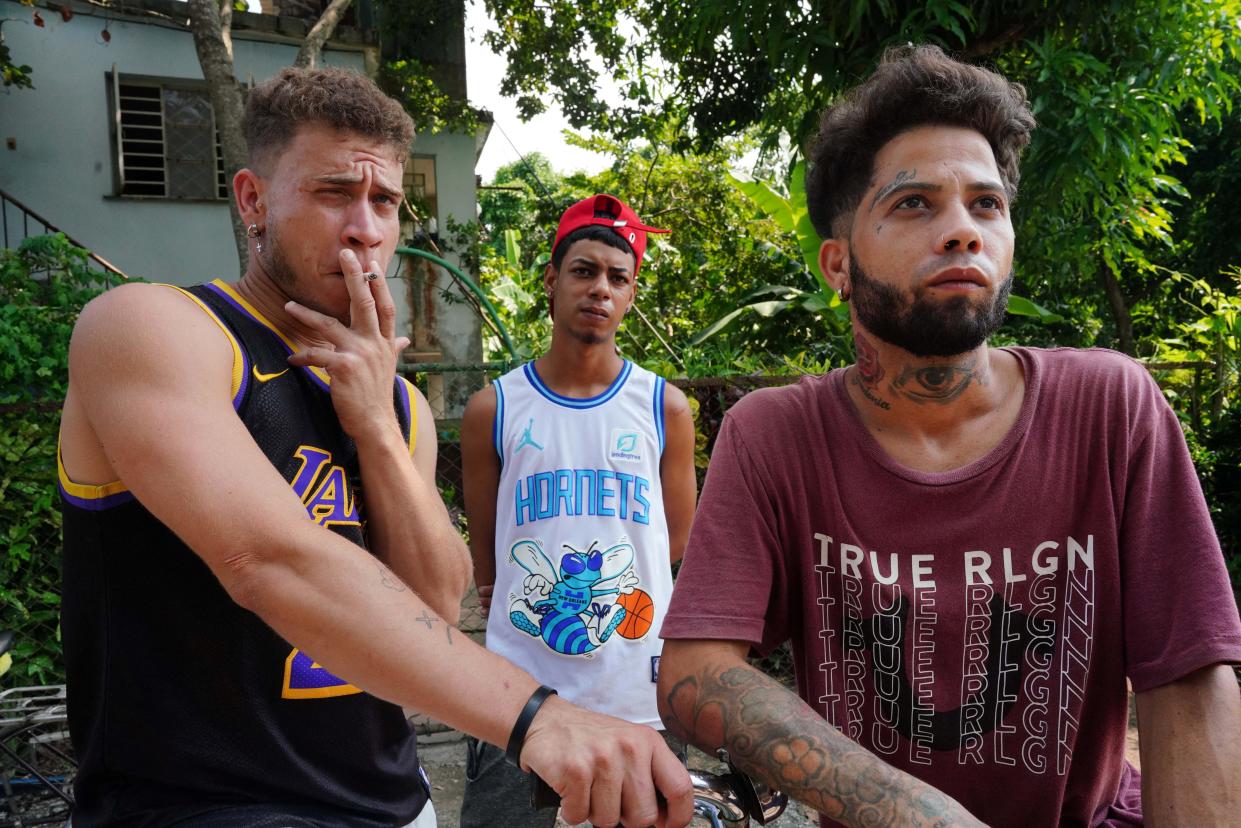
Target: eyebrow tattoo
901	178
904	183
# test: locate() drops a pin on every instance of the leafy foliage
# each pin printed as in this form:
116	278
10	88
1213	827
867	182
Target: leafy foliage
723	253
43	286
1114	85
411	82
13	74
418	69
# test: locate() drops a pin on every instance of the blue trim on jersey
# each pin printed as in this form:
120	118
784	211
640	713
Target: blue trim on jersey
572	402
497	425
659	411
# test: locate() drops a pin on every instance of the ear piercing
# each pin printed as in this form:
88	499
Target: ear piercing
253	231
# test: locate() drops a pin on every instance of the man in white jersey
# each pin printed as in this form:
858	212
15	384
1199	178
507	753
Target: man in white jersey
580	490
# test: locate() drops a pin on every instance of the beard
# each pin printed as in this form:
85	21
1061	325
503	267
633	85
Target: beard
924	326
281	272
587	337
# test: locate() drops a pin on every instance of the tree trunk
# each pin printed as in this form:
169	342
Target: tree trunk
1120	310
212	41
308	55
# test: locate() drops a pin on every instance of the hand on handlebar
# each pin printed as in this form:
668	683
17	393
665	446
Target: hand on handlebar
606	771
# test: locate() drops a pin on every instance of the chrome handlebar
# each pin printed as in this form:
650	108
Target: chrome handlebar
726	800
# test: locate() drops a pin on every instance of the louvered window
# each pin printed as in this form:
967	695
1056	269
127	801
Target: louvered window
168	146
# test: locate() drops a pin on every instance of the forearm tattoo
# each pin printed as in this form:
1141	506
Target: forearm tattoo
388	578
773	735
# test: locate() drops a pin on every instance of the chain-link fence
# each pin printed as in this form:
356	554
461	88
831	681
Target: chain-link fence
29	587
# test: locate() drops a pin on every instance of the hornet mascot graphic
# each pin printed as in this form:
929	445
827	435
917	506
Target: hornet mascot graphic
568	616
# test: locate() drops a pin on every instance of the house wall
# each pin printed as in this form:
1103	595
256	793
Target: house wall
455	327
61	161
62	166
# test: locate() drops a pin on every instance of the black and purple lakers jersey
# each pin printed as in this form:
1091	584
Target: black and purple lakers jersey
182	702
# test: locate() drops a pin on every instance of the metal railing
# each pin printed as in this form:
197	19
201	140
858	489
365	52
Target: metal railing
24	215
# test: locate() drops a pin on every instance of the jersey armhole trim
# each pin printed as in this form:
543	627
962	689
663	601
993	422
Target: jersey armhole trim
230	295
90	496
497	423
659	411
241	374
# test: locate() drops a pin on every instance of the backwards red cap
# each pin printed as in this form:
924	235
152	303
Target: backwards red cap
607	211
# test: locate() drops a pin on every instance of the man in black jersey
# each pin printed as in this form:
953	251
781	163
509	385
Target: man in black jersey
258	570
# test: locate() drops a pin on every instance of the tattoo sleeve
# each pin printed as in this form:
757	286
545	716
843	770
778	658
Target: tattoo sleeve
773	735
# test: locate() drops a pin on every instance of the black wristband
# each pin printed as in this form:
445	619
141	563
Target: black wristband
517	739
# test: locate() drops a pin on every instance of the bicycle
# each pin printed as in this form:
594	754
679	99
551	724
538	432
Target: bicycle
36	761
726	800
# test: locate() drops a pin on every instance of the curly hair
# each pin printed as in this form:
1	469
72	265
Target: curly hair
333	97
912	86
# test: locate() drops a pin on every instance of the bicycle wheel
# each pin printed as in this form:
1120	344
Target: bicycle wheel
36	773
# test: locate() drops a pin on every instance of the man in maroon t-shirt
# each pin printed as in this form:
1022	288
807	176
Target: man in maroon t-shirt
970	548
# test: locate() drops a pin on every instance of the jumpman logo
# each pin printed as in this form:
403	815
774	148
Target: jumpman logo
526	439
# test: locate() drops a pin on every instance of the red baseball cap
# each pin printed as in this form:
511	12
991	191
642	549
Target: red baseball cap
607	211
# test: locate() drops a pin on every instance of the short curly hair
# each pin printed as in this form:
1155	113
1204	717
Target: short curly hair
912	86
339	98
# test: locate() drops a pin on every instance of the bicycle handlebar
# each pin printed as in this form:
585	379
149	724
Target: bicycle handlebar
731	798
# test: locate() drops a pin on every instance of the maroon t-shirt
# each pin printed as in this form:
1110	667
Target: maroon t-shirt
971	627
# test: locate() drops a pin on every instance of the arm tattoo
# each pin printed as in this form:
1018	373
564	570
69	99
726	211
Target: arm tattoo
771	733
388	578
937	383
430	620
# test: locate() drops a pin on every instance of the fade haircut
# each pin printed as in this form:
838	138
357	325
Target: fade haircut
913	86
332	97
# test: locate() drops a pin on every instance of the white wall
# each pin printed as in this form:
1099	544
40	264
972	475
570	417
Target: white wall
63	161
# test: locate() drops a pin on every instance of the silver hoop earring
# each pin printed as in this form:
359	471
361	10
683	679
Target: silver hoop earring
253	231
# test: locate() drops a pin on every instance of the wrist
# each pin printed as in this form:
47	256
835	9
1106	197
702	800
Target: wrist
378	434
521	727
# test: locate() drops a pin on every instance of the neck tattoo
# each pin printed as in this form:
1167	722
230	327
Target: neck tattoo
869	371
940	384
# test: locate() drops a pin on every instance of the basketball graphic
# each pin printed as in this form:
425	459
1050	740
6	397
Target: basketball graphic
639	614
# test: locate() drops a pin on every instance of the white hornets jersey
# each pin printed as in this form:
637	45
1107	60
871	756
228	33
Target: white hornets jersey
582	571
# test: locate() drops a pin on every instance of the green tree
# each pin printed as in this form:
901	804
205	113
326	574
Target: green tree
1111	83
523	198
723	254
